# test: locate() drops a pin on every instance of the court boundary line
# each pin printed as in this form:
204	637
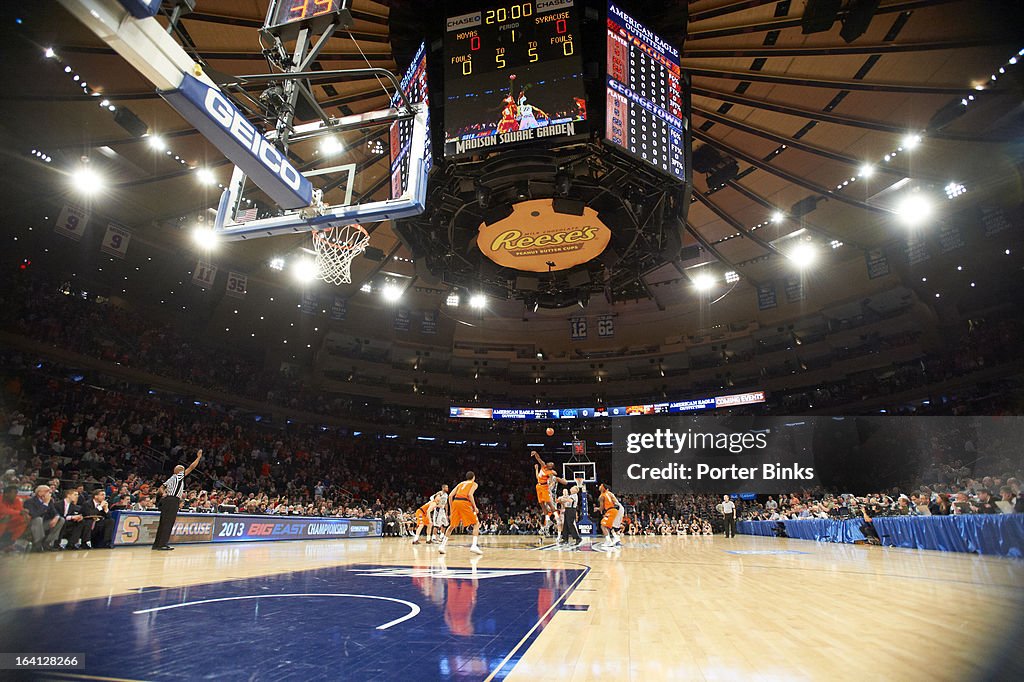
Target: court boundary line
540	622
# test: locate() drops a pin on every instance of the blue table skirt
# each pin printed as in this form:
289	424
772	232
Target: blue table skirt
995	534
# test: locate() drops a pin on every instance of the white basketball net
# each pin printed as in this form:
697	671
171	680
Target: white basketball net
335	248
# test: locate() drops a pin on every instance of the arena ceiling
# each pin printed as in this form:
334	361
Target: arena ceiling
802	115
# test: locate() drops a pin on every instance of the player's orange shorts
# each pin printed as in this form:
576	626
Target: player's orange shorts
609	518
543	493
422	518
462	514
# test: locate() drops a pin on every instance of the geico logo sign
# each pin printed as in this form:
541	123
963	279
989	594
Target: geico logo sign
232	120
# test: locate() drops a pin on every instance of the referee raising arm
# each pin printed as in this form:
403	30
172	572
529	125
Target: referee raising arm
171	500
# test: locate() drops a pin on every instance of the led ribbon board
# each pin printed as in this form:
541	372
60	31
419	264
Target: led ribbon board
219	121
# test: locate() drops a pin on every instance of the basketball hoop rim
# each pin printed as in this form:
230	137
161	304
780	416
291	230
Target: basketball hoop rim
321	237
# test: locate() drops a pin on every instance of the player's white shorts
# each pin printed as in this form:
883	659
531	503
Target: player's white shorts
617	524
440	517
527	122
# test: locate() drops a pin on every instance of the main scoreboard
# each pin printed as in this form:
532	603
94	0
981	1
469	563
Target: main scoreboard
513	73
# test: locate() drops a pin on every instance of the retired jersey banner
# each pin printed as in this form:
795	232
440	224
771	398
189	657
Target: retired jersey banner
71	222
917	250
606	326
339	309
429	323
310	300
402	320
795	289
994	219
578	329
115	241
950	238
237	285
204	274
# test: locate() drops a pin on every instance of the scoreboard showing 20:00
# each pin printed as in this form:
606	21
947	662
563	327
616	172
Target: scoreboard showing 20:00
513	73
644	95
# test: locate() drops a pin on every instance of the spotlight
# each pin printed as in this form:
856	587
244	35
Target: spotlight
277	264
87	181
803	255
703	282
866	171
206	176
105	103
954	189
367	288
911	141
49	53
914	209
392	293
778	217
156	142
478	301
732	277
204	238
453	300
330	146
304	270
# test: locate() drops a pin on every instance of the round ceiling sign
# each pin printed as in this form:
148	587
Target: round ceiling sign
536	239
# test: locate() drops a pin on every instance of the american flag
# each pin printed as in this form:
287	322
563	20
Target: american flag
246	215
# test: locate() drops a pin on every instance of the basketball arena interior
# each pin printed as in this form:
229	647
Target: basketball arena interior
545	340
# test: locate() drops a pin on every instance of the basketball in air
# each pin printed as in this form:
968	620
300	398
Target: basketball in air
550	431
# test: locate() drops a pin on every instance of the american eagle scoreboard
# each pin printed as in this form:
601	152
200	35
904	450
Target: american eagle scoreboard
644	95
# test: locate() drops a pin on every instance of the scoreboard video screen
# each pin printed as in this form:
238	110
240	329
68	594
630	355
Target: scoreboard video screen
513	73
414	85
644	95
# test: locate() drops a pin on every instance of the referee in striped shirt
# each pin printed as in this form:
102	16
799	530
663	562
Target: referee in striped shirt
172	489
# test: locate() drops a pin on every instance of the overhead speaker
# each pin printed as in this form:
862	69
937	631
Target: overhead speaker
723	174
819	15
578	278
373	253
705	158
497	213
127	119
859	14
527	283
567	206
803	207
689	253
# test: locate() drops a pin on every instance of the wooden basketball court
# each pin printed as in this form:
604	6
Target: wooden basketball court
660	608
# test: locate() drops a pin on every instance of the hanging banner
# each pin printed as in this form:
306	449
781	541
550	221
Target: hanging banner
916	250
994	219
402	320
429	323
950	238
795	289
878	264
339	309
310	299
237	285
72	222
204	274
115	241
578	329
606	326
766	297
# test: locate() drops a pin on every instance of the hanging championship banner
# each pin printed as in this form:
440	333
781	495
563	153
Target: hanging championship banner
950	238
994	219
795	289
310	299
402	320
916	250
72	222
878	264
429	323
339	309
578	329
606	326
204	274
115	241
766	297
237	285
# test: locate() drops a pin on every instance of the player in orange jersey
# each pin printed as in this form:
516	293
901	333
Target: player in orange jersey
424	516
510	113
611	516
547	482
463	512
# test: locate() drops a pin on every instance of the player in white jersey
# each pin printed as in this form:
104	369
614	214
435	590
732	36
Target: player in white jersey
440	513
528	114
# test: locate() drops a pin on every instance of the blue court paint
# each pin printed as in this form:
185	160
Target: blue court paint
422	622
575	607
763	551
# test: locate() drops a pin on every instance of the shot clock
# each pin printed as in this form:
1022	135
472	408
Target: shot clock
285	18
513	74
